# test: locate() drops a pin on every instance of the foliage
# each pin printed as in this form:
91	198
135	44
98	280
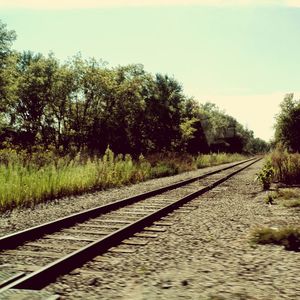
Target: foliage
289	237
288	124
269	199
265	175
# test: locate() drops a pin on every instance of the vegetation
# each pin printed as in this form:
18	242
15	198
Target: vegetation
289	237
283	163
29	178
265	175
57	121
269	199
280	166
288	124
285	196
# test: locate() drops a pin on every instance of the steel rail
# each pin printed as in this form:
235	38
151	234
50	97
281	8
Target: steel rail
13	240
41	278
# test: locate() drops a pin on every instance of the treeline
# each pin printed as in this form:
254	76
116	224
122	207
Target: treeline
85	105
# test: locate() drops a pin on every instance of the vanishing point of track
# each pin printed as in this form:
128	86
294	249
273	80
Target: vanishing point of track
42	253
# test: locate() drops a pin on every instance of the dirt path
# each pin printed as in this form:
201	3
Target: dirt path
206	254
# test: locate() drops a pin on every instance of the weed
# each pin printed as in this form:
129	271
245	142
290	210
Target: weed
266	175
289	237
269	199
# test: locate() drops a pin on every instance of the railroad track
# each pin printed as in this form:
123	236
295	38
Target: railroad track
33	258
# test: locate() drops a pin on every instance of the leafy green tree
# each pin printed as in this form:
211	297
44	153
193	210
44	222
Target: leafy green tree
7	63
192	132
163	114
34	96
287	126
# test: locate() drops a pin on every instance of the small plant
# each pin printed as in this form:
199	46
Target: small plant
269	199
265	176
289	237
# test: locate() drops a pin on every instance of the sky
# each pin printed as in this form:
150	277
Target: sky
242	55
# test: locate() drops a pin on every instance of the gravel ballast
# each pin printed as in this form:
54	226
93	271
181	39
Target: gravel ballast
205	254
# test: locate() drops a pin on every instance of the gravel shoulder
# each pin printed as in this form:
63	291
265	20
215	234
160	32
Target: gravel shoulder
205	254
19	218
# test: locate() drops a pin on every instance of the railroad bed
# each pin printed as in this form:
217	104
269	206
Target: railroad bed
33	258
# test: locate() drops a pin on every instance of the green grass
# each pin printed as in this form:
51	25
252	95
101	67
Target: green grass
289	237
28	179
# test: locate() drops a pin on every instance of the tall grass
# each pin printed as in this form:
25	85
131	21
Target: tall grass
214	159
27	179
286	166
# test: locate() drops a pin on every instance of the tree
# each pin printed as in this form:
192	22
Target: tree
7	63
192	132
287	126
163	113
34	96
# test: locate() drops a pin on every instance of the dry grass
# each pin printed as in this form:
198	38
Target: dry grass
287	197
286	165
289	237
